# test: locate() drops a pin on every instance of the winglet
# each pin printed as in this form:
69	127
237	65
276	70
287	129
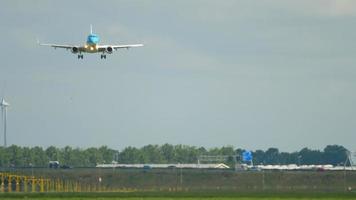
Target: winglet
91	29
38	41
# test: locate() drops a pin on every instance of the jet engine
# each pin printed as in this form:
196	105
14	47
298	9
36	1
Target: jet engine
109	50
75	49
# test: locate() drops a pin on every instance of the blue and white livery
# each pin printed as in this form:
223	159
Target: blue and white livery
92	46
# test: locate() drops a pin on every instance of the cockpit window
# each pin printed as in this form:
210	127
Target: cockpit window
93	39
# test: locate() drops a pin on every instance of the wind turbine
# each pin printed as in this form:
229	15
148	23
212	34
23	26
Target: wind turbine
4	105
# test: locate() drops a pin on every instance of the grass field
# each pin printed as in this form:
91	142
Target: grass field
177	196
186	198
173	184
117	180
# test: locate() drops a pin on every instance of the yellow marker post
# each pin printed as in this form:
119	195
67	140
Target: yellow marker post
47	185
17	179
41	185
57	186
33	185
2	183
25	183
9	183
65	186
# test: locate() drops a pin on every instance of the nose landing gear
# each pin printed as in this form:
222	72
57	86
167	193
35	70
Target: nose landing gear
102	56
80	56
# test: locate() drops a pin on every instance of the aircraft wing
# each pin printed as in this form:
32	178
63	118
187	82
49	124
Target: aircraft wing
126	46
116	47
63	46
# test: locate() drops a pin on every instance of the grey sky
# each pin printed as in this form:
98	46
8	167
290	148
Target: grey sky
253	74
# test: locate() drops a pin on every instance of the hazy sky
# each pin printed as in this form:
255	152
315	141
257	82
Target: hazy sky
253	74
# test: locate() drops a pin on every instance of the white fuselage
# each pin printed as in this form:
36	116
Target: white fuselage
90	48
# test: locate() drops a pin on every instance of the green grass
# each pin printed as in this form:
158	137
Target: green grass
177	196
196	198
201	179
195	184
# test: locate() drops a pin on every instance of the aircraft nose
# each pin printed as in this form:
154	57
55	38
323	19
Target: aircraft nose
93	39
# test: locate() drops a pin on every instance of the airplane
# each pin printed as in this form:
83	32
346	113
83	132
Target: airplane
92	46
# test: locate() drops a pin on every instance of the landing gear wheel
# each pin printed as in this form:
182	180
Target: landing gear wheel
80	56
102	56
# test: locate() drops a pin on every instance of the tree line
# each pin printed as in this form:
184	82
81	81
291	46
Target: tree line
16	156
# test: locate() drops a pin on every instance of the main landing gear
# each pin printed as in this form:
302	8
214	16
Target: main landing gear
102	56
80	56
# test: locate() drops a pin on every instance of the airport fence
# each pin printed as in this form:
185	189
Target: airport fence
11	183
172	180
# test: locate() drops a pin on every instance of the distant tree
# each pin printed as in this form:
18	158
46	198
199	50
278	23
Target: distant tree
185	154
193	154
309	157
202	151
335	155
167	151
214	151
258	157
16	156
239	152
152	154
288	158
227	150
91	157
38	157
67	154
131	155
76	158
272	156
27	157
294	158
52	153
107	154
